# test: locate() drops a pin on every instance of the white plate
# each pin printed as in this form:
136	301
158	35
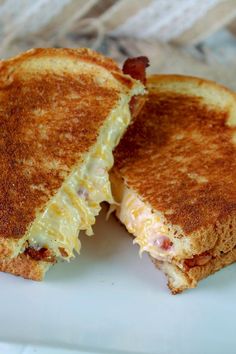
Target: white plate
110	301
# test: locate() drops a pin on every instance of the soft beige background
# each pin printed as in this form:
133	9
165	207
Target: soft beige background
196	37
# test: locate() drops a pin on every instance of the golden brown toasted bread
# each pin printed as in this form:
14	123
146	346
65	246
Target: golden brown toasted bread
174	176
25	266
62	111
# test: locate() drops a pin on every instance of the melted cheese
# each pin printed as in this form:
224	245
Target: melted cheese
146	226
77	203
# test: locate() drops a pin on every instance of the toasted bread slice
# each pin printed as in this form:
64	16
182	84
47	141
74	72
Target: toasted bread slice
25	266
174	177
62	111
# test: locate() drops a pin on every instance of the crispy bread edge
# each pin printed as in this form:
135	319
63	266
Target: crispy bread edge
82	54
26	267
152	79
180	280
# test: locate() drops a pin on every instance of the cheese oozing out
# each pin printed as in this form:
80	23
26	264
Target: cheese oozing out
150	232
77	203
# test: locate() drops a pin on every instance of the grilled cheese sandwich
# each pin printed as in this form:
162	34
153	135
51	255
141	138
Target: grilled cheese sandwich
62	112
174	178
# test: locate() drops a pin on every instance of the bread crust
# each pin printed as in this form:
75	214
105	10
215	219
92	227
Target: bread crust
25	266
189	278
82	54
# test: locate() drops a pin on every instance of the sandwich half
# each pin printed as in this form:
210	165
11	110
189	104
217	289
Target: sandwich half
175	178
62	111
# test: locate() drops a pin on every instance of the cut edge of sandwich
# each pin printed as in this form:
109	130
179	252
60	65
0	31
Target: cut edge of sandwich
182	279
183	260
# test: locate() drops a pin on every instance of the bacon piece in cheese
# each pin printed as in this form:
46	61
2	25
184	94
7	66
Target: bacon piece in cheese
136	68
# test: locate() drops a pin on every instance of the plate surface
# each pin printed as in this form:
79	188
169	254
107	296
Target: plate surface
110	301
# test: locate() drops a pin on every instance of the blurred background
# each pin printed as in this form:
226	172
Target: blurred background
196	37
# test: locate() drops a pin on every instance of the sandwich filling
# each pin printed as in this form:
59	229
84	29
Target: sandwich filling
149	231
54	233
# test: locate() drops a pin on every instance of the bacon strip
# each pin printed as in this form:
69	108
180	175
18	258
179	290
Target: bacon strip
164	243
43	254
198	260
136	68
